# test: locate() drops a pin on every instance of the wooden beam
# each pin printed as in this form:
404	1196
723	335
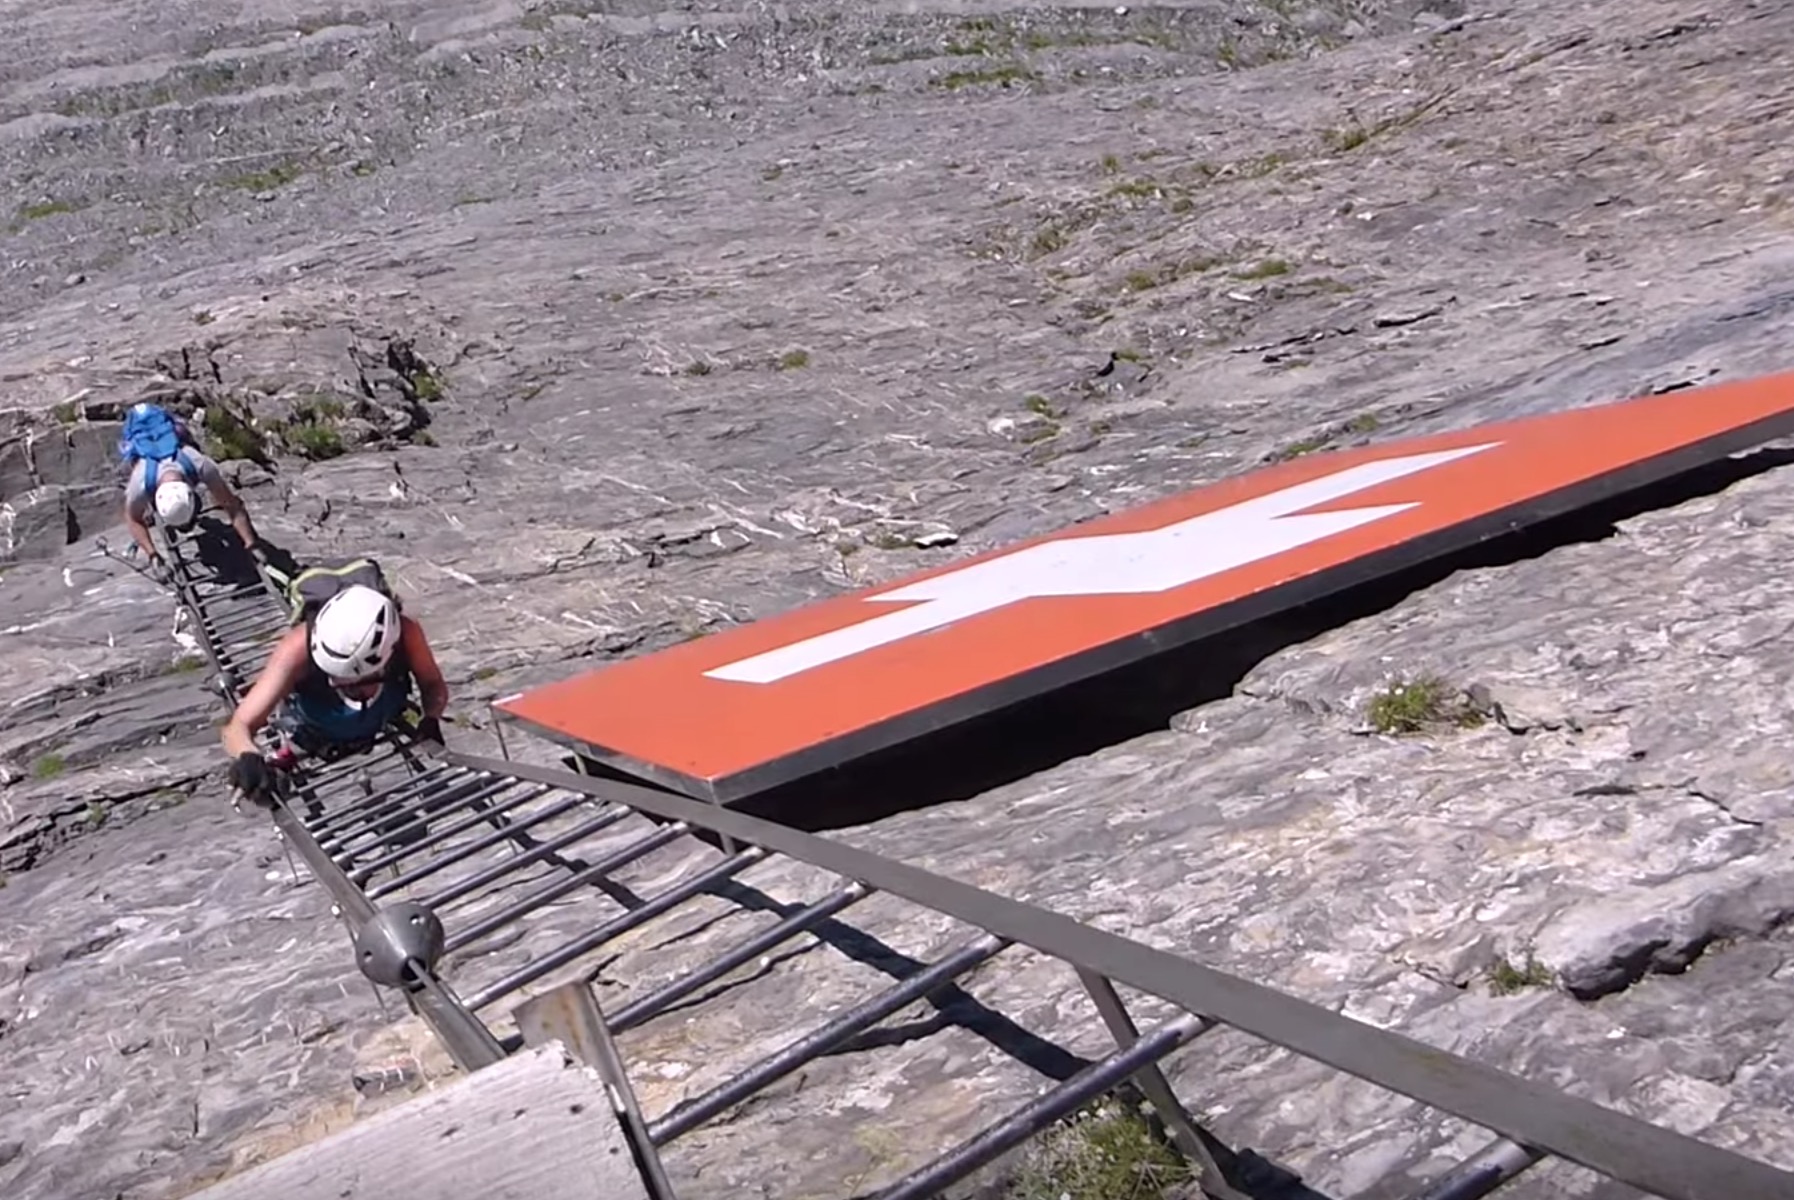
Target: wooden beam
570	1016
539	1124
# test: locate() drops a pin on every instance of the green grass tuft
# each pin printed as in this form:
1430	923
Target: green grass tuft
1107	1151
1413	706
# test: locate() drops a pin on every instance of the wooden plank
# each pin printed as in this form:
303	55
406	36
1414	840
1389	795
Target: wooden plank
539	1124
570	1016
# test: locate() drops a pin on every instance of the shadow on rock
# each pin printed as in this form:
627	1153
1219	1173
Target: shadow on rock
1030	734
215	547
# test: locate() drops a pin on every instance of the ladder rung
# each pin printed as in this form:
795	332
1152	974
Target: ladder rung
1482	1173
416	816
1035	1116
485	814
862	1016
467	885
639	915
644	1009
346	822
460	853
639	848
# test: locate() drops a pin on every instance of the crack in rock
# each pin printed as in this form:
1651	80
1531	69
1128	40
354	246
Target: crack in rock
1618	940
1721	806
27	845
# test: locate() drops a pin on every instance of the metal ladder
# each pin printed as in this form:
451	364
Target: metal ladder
430	863
237	622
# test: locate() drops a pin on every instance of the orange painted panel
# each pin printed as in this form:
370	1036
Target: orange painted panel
738	703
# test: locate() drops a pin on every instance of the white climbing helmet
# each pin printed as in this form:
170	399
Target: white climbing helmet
355	633
175	503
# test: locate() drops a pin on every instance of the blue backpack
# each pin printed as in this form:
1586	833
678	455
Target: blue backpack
151	434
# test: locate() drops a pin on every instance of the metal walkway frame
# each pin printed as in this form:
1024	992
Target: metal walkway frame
424	856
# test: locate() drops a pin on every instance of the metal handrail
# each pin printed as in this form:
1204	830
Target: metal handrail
1532	1114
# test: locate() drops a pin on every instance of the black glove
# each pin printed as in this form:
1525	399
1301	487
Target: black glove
429	729
158	570
249	774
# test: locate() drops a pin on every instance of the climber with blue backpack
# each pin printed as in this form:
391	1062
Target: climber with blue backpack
167	467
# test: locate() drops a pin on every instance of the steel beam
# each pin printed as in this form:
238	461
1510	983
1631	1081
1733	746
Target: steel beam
1650	1157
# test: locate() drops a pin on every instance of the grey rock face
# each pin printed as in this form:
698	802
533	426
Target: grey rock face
724	310
56	479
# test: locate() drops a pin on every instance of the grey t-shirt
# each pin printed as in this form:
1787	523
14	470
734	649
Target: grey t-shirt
137	501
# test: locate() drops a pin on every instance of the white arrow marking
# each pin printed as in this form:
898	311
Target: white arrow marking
1155	560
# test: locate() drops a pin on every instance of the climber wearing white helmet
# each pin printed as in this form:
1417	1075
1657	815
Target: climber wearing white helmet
338	678
169	485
